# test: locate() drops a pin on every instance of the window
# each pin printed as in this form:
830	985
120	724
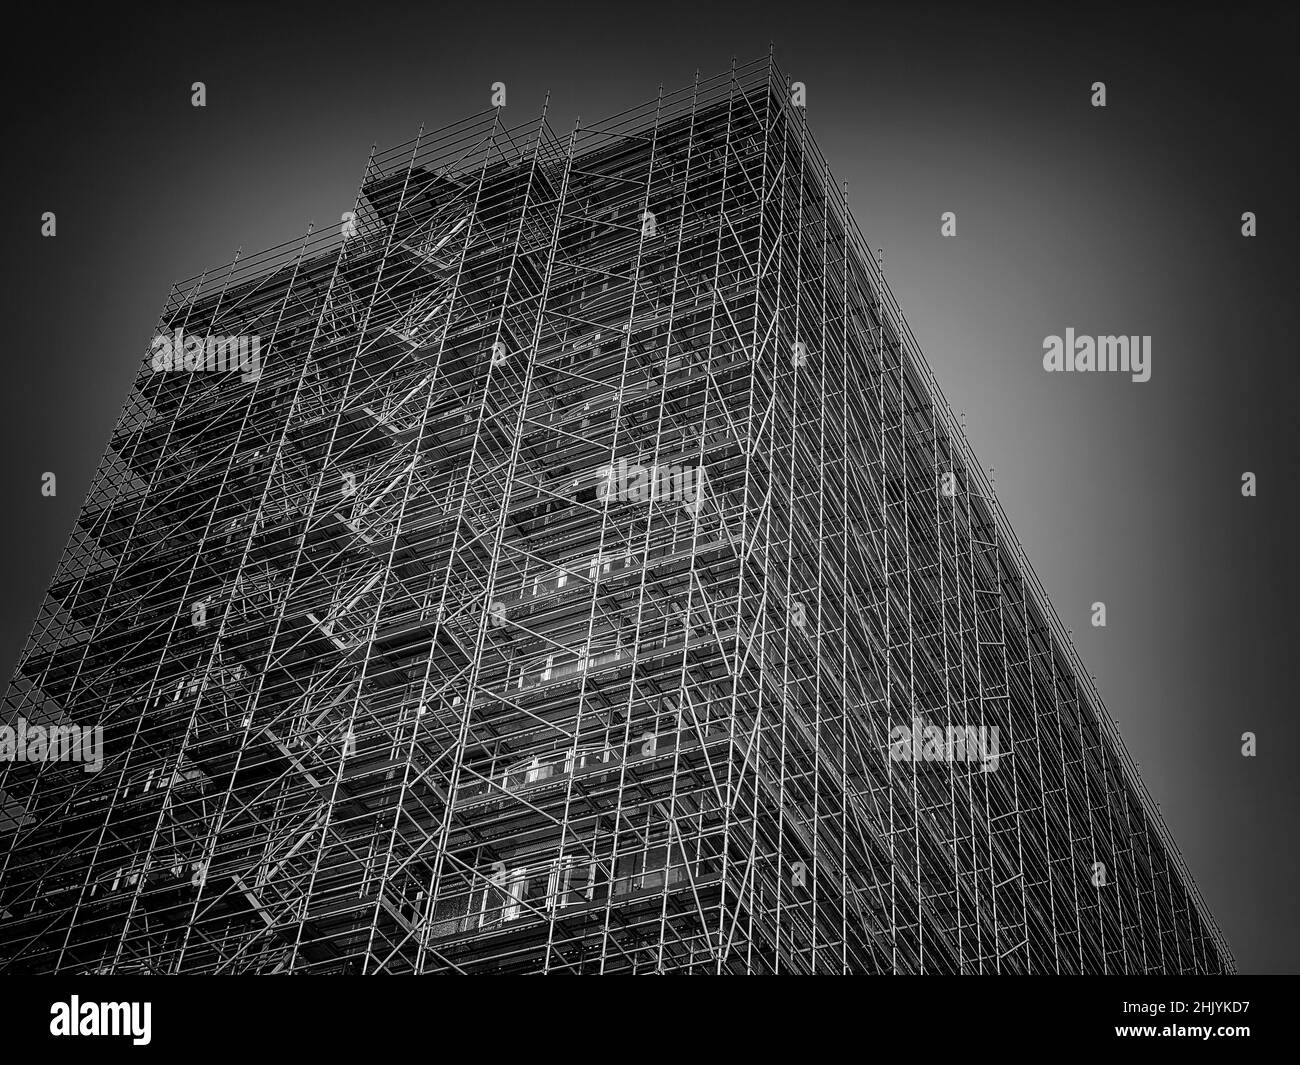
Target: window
628	872
654	866
516	886
557	885
503	897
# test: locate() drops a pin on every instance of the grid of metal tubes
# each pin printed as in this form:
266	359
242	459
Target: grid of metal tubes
392	680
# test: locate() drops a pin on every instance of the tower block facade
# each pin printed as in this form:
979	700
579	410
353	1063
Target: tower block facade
579	570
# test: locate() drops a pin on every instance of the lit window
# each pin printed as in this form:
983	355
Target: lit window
515	887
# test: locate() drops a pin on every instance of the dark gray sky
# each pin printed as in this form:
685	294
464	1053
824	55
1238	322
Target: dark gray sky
1117	220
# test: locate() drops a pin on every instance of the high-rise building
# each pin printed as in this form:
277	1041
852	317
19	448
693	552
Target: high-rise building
568	563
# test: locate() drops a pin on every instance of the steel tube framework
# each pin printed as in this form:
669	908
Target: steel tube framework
392	679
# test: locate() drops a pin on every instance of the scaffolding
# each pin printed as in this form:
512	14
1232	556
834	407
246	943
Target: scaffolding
397	673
